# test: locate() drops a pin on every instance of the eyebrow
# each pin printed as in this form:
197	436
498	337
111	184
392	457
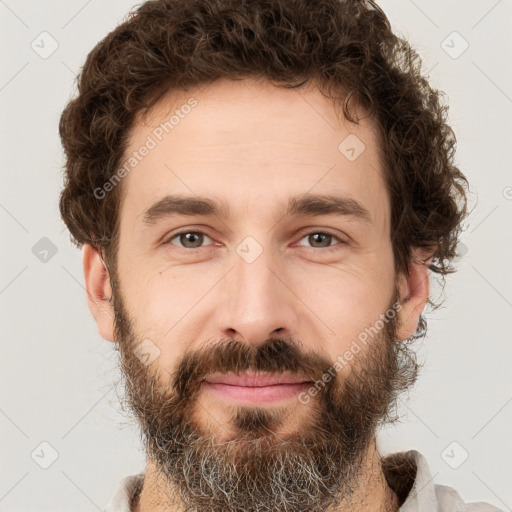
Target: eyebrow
309	205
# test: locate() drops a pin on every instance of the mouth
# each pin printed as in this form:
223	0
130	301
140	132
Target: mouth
255	388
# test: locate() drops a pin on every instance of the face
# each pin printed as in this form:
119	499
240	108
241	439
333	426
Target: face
255	245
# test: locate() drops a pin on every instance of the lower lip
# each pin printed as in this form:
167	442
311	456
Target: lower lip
256	395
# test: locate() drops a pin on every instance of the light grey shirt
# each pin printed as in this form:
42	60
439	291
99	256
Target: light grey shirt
408	474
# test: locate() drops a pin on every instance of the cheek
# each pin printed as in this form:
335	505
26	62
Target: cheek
160	302
344	301
173	306
346	308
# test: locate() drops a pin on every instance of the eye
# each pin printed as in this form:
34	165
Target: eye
189	239
319	239
195	240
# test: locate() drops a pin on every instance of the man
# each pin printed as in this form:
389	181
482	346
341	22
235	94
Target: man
261	190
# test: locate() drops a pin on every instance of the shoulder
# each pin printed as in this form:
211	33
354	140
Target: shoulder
409	475
450	501
124	493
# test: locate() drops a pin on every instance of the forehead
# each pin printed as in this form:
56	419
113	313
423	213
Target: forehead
251	144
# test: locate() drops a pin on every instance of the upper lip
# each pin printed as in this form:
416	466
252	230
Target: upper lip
255	379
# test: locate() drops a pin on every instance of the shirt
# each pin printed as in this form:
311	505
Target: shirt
407	473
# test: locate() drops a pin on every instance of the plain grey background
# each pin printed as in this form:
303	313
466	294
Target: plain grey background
58	375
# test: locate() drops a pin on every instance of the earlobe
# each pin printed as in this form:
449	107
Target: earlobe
99	291
414	293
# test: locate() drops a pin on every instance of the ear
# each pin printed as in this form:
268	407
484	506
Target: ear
414	292
99	291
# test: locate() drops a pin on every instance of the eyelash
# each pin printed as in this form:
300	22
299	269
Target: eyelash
324	249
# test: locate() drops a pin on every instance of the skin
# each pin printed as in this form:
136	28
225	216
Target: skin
254	146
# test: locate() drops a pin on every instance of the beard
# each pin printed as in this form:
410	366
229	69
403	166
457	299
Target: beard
317	467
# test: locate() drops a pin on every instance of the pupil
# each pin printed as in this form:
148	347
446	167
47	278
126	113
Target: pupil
189	237
326	237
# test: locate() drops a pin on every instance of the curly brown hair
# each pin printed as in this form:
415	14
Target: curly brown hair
344	47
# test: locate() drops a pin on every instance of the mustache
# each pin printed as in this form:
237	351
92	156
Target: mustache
231	356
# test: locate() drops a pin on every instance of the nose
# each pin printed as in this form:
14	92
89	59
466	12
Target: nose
258	303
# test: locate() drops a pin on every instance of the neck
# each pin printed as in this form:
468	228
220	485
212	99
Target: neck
372	493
